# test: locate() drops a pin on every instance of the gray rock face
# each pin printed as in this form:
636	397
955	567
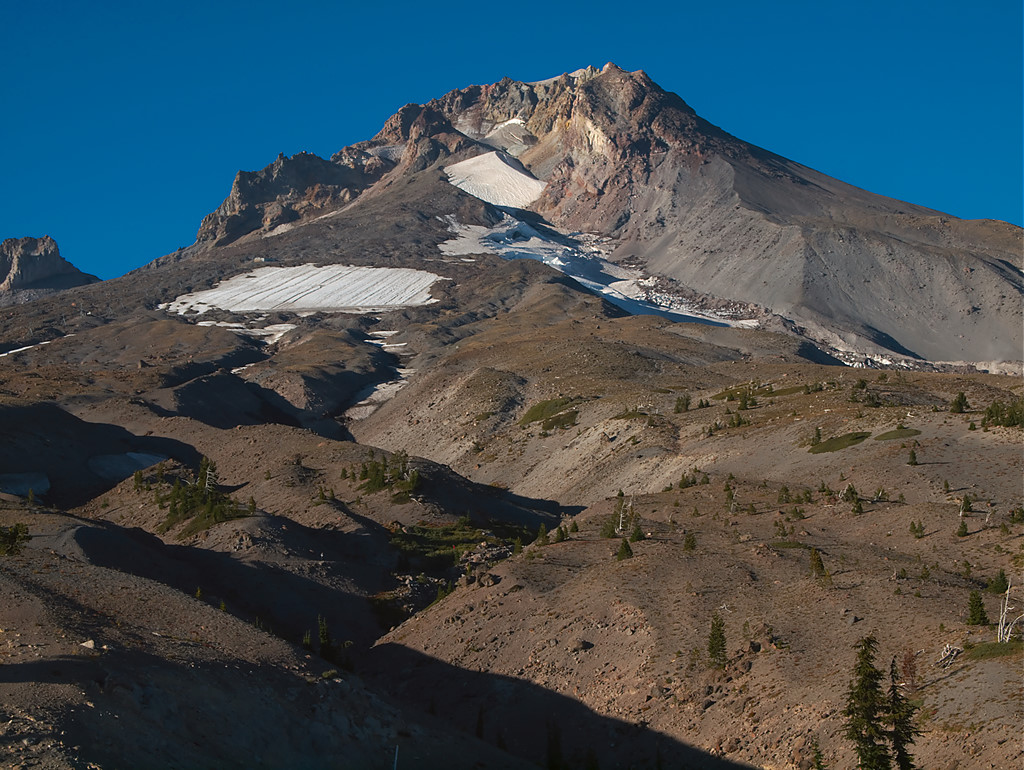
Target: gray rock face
36	264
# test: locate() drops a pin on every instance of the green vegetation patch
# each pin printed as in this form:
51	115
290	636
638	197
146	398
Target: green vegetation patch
563	420
897	433
428	548
836	443
1007	415
545	410
987	650
13	539
200	502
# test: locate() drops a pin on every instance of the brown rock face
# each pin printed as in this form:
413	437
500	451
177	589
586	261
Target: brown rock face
36	264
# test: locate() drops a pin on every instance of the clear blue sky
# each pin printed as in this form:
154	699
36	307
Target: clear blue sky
124	123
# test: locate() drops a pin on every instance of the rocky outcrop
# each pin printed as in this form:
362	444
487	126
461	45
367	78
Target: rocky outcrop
36	264
288	190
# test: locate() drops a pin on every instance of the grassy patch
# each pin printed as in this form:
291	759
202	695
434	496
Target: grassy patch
986	650
898	433
563	420
432	548
546	410
836	443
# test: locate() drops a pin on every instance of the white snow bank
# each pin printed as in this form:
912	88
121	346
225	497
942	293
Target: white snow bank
337	288
581	256
490	178
371	398
269	334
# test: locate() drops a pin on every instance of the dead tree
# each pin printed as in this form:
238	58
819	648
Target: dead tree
949	654
1004	631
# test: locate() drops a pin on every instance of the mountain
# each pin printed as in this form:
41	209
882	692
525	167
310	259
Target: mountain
285	487
35	264
708	217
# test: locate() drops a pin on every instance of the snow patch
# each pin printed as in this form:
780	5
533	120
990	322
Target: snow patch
20	483
581	256
490	178
372	397
333	288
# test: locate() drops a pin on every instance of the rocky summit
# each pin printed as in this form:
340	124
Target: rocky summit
550	426
35	264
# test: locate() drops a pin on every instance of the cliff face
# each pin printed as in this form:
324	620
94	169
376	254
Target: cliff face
36	264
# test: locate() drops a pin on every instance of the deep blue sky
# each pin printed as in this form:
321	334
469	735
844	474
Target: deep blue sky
124	123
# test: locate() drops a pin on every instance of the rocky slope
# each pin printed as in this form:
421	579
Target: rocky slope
383	459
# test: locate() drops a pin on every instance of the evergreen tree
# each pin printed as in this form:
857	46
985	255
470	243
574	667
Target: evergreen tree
636	535
961	531
817	565
866	709
912	460
625	552
326	644
690	542
542	536
999	583
901	719
716	642
976	615
959	405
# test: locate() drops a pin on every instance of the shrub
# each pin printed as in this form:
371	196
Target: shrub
13	539
690	542
999	583
716	642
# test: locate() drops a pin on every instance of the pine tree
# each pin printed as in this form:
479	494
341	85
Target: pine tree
959	405
976	615
866	709
326	644
636	535
690	542
625	552
716	642
961	531
901	718
912	460
816	564
542	536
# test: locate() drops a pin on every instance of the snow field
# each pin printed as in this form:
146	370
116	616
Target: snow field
581	257
332	288
490	178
